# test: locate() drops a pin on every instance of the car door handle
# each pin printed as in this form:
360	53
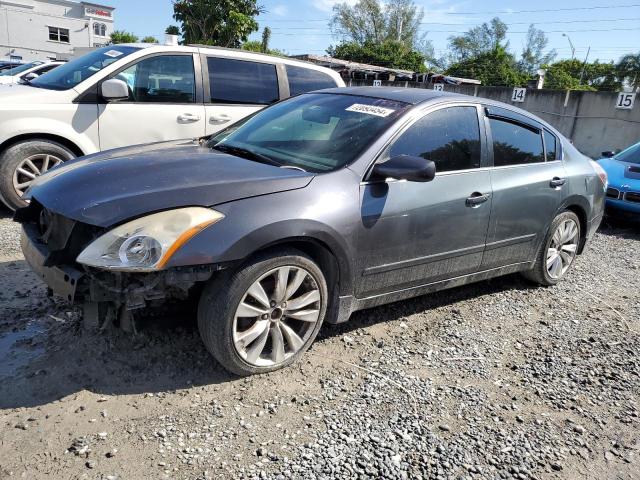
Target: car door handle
188	118
477	198
219	118
557	182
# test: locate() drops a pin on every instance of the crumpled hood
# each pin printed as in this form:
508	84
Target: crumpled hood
105	189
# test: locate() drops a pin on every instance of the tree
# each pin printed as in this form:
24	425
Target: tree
120	36
226	23
567	74
266	36
149	39
371	21
390	54
479	40
256	46
628	70
533	54
172	30
496	67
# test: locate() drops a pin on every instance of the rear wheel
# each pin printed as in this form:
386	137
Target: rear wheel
264	316
558	251
22	163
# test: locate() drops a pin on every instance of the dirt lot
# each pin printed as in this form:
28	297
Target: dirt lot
493	380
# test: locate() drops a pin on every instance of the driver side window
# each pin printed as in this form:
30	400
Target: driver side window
161	79
450	137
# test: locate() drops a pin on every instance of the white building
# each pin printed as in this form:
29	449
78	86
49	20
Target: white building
50	29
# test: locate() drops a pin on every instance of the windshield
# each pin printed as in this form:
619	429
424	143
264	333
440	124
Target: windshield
19	69
314	132
630	155
71	74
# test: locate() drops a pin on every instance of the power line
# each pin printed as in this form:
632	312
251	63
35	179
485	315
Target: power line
498	12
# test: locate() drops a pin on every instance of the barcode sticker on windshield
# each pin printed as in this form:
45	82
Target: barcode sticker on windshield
113	53
370	110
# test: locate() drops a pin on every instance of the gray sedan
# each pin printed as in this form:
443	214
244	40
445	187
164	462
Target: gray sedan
313	208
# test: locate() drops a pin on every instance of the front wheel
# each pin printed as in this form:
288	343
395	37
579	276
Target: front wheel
558	251
265	315
23	162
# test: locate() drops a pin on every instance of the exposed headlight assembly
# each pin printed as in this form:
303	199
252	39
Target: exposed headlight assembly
148	243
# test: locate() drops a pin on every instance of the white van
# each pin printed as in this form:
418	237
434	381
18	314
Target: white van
130	94
26	72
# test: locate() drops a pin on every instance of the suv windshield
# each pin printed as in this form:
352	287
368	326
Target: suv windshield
630	155
71	74
18	69
314	132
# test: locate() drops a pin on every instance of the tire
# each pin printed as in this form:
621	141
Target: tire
14	157
234	339
541	273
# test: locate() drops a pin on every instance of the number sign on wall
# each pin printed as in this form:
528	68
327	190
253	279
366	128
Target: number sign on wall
438	87
625	100
377	83
518	95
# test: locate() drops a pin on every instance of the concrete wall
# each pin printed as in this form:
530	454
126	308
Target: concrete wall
589	119
24	28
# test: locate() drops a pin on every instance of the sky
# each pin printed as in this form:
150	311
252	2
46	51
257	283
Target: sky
610	27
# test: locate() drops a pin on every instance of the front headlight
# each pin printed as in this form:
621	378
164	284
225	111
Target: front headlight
148	243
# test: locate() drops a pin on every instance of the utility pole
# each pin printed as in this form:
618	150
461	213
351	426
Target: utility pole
573	49
584	65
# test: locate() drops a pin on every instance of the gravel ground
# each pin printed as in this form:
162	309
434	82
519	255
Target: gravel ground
493	380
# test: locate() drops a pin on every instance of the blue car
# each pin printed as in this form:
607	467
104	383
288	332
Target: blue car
623	169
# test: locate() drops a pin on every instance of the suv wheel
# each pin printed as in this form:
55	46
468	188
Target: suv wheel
558	251
265	315
23	162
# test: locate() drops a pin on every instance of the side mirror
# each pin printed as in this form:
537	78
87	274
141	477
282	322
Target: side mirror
31	76
608	154
115	89
406	167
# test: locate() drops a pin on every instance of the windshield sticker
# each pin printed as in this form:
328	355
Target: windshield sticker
370	110
113	53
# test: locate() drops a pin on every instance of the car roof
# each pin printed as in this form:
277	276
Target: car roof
417	96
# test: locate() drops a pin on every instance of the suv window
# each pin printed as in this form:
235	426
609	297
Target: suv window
161	79
450	137
550	143
240	81
302	80
515	144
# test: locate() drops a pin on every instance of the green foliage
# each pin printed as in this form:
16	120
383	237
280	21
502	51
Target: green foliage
479	40
225	23
628	70
375	22
390	54
256	46
150	39
566	75
533	54
266	36
496	67
120	36
172	30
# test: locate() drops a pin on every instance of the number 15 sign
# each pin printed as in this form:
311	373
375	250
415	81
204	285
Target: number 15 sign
625	100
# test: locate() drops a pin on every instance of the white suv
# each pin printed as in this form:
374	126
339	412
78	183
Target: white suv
131	94
26	72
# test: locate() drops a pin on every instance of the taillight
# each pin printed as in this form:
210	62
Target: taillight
602	174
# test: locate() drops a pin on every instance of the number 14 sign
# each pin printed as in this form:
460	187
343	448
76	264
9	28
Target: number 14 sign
518	95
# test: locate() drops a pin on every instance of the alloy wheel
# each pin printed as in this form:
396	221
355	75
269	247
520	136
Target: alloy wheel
562	248
276	316
31	168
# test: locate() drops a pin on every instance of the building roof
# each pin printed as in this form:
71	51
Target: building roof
331	62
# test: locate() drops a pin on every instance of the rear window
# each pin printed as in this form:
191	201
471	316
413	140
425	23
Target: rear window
302	80
551	144
243	82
